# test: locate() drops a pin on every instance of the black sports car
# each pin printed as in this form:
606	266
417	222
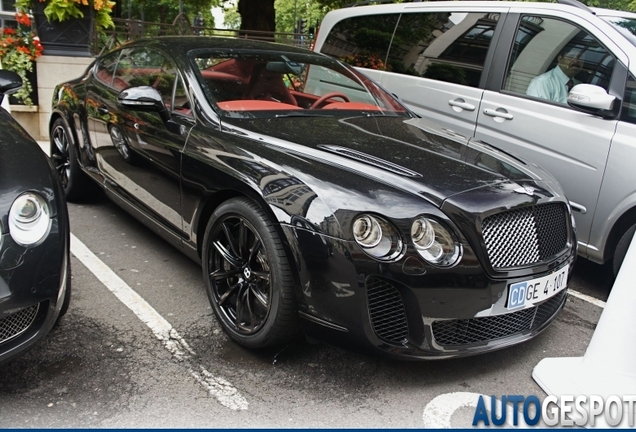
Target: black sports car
314	200
35	288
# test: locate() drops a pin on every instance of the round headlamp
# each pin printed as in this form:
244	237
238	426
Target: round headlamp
434	243
29	219
377	237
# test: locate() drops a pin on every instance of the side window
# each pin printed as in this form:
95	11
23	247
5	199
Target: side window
362	41
628	112
449	47
550	56
146	67
181	103
106	68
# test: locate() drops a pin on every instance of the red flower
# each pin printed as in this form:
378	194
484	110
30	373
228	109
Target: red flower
23	19
9	31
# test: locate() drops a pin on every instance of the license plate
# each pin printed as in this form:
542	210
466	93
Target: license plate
528	293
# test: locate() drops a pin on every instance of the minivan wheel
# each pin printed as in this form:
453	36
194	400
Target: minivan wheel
248	277
621	249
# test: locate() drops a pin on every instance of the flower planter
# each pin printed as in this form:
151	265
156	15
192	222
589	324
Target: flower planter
32	76
71	37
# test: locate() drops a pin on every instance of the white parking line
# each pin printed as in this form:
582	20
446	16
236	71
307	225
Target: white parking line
221	389
587	298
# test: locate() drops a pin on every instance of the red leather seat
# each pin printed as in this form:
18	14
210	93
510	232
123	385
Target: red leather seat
267	85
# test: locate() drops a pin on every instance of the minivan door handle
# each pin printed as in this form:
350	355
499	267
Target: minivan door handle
461	104
498	114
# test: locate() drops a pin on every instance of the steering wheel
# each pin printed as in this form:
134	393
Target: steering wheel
322	99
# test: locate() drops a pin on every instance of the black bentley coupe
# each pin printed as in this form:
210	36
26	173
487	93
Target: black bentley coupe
35	284
315	201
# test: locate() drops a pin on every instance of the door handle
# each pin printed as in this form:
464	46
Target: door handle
499	113
102	110
462	104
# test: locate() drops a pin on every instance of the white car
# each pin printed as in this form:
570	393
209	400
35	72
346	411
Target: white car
469	66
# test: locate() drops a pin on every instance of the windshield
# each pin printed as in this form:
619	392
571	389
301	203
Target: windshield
627	26
253	83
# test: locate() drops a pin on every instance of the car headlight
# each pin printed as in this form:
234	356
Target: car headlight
377	237
435	243
29	219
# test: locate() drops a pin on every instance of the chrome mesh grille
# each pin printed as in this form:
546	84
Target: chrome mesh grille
526	235
17	323
386	309
484	329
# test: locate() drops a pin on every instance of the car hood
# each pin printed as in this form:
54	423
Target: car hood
23	166
409	153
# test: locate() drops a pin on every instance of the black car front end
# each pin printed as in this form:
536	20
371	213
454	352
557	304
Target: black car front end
34	243
412	309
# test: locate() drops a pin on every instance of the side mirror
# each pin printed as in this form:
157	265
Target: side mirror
143	98
593	99
10	82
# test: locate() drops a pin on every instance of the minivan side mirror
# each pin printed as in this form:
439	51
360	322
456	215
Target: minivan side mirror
10	82
143	98
593	99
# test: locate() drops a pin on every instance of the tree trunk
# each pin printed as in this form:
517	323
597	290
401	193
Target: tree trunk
257	15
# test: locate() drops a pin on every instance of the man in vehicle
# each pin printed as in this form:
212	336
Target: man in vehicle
556	83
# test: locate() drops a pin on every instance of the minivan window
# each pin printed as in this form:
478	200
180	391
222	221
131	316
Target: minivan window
362	41
627	26
550	56
628	112
443	46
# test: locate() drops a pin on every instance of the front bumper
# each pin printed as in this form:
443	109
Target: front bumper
33	282
350	300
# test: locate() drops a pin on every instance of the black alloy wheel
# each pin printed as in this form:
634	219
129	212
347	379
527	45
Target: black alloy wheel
247	276
76	184
60	152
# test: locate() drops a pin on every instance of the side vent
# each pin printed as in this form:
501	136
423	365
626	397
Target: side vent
386	310
17	323
370	160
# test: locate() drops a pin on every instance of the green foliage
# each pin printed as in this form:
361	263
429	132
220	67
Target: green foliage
62	10
165	11
287	10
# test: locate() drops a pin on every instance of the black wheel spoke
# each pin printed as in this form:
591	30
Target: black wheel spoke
253	318
60	142
227	255
232	241
241	302
255	248
228	293
261	275
260	297
242	238
220	274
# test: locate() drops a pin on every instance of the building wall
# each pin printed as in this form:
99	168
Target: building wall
51	70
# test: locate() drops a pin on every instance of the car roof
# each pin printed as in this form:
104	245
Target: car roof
479	3
187	43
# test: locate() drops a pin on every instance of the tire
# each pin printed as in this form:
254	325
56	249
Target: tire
77	184
621	249
247	276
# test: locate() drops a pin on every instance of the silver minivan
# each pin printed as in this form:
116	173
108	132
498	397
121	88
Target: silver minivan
550	83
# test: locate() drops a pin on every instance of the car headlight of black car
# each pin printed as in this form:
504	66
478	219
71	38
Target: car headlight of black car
29	219
436	244
377	237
